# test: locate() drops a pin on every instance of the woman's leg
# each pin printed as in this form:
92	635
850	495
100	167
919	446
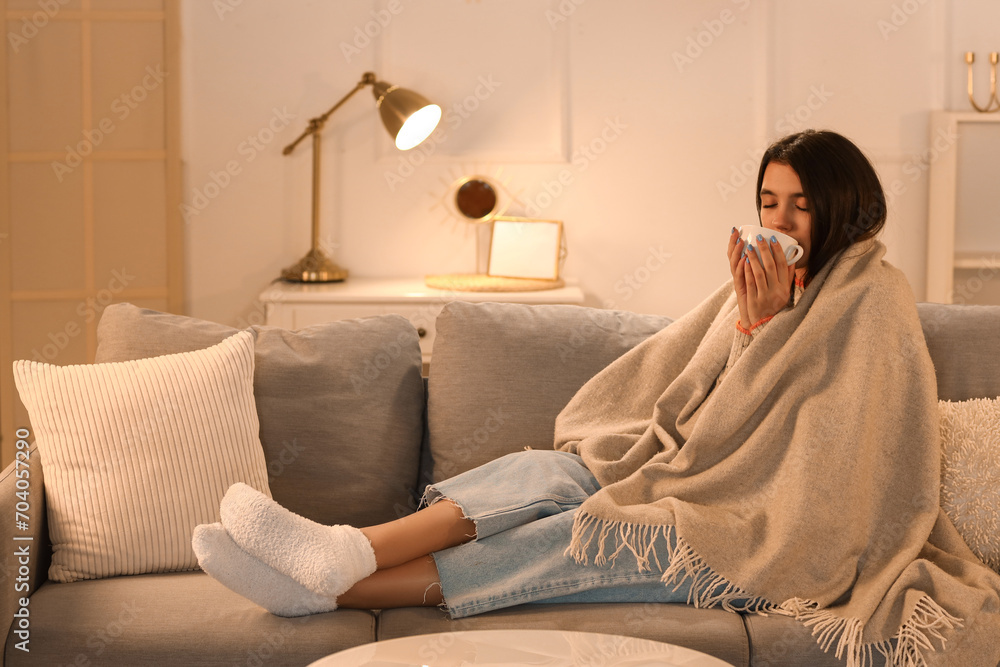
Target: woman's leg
412	584
508	492
435	528
524	565
505	493
499	496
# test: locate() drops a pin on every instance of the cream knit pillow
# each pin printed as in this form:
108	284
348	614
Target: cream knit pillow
137	453
970	473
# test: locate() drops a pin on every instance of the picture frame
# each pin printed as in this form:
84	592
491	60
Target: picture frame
525	248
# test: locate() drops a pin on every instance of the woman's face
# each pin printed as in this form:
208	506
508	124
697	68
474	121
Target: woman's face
784	208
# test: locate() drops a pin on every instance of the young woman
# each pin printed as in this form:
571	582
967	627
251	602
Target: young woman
774	450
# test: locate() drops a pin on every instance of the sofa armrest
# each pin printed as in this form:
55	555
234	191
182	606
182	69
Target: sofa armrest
15	583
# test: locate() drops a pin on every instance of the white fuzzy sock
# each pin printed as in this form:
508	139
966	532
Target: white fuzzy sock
241	573
325	559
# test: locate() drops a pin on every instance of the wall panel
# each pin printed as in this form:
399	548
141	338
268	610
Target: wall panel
45	75
46	225
89	177
130	225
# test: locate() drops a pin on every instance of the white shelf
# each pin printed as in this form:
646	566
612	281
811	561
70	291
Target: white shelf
406	290
299	305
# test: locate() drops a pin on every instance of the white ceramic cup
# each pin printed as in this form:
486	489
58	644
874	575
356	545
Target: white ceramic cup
793	251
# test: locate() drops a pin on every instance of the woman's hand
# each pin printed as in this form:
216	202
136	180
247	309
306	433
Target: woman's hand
762	288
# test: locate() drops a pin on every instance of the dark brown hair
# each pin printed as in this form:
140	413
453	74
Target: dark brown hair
846	200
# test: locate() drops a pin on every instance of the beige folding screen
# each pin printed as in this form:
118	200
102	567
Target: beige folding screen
90	176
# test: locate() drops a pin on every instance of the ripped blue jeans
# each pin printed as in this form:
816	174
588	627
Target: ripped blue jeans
523	506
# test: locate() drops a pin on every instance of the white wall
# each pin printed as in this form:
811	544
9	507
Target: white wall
673	136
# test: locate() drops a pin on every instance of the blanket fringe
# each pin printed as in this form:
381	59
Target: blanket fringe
708	588
639	540
926	624
906	647
828	628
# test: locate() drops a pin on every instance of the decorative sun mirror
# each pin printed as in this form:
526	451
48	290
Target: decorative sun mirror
523	257
476	199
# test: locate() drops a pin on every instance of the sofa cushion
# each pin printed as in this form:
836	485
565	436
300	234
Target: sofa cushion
178	619
970	474
712	631
965	348
138	453
340	405
501	372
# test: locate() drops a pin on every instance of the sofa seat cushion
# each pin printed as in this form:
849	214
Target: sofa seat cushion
712	631
182	618
341	405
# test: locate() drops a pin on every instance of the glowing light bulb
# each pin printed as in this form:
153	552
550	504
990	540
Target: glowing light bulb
418	127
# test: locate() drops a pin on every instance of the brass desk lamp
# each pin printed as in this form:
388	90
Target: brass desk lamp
408	117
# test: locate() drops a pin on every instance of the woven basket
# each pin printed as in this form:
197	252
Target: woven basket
479	282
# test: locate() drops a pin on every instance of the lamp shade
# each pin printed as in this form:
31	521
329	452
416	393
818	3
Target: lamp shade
409	117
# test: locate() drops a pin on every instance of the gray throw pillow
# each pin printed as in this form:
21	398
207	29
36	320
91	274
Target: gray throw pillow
501	373
340	405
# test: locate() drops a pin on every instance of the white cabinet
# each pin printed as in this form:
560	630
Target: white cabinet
299	305
963	234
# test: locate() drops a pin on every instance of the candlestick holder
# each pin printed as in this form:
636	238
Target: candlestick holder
992	102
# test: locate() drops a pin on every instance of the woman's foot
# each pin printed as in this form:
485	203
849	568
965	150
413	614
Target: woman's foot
327	560
241	573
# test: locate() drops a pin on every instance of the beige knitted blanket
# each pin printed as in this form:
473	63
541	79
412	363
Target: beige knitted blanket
807	483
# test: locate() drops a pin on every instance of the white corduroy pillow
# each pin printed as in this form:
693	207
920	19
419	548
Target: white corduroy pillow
970	473
137	453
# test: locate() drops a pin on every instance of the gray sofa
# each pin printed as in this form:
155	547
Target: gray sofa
349	437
